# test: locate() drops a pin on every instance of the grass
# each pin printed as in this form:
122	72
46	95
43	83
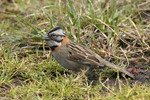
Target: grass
113	30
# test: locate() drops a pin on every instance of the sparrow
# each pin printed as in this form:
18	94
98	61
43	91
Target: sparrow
74	56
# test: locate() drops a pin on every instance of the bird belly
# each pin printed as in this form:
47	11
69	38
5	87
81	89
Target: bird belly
71	65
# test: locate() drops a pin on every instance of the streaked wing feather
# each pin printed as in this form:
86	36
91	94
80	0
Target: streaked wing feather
81	54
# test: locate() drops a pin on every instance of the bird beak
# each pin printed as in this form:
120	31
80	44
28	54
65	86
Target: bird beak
45	37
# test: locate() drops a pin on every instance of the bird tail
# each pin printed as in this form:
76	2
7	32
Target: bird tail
106	63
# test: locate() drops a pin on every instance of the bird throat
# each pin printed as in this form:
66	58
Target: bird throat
53	47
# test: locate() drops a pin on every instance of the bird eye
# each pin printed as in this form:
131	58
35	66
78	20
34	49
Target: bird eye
53	35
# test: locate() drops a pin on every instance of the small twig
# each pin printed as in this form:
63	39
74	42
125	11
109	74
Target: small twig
125	55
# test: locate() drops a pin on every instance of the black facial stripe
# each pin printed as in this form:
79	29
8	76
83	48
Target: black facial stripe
54	29
55	38
51	35
53	47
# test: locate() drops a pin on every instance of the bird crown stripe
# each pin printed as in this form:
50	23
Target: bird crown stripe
54	29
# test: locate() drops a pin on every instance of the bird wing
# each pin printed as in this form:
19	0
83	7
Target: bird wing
81	54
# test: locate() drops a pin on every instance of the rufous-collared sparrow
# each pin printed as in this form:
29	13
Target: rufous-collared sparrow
74	56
